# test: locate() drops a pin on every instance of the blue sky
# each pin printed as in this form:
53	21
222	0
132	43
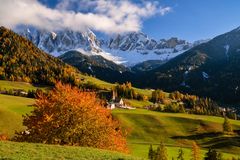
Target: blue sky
189	19
195	19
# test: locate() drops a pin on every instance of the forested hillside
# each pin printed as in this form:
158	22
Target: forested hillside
210	70
20	60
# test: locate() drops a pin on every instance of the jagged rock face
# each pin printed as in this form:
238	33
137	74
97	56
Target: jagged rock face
128	49
141	42
60	42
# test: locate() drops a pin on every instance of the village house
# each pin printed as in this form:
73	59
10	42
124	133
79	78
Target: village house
118	103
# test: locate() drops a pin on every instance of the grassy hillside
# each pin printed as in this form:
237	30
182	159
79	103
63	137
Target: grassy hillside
11	110
176	130
145	127
28	151
20	85
137	104
109	86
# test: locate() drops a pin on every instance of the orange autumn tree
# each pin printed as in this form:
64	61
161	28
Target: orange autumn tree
69	116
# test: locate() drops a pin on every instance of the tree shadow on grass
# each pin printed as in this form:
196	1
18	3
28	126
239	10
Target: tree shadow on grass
223	142
199	136
216	140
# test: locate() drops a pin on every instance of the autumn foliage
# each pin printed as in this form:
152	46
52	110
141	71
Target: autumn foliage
20	60
3	137
69	116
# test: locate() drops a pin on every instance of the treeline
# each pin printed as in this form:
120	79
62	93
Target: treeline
177	102
21	92
20	60
126	90
161	153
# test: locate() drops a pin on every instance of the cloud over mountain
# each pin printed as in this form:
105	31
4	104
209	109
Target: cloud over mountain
99	15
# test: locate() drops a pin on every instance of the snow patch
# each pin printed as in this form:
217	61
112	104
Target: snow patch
131	58
226	50
90	68
54	35
236	88
108	56
205	75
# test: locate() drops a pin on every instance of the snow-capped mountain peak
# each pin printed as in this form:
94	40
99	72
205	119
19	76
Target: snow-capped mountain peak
128	49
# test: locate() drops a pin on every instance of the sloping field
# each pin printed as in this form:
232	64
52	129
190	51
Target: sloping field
29	151
176	130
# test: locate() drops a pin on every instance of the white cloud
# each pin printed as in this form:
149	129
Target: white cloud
100	15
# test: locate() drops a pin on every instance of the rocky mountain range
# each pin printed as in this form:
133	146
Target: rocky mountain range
127	49
208	69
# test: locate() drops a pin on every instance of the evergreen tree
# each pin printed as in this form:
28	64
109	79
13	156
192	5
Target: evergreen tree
180	154
151	153
195	151
227	127
213	155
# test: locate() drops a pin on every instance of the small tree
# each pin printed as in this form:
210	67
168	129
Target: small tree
195	151
151	153
161	153
213	155
227	127
69	116
180	154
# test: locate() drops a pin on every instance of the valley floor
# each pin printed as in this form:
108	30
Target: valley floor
144	128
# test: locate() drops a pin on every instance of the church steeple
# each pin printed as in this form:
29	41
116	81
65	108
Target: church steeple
113	95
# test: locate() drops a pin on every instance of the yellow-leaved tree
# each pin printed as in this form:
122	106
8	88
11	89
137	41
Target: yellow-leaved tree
69	116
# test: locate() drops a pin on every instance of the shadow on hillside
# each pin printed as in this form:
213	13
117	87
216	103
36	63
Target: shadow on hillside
199	136
217	140
223	142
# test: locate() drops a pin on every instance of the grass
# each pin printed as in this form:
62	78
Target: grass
141	150
98	82
11	110
144	127
20	85
176	130
137	104
109	86
28	151
146	92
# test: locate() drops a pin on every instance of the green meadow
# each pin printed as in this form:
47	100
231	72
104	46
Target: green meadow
176	130
11	110
20	85
144	128
29	151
